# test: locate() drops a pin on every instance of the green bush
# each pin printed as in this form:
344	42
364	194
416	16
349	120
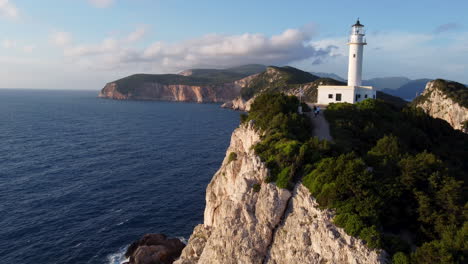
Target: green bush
284	178
400	258
371	236
256	187
232	157
243	118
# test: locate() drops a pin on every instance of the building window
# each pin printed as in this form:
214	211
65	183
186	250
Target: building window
330	96
354	55
365	96
338	97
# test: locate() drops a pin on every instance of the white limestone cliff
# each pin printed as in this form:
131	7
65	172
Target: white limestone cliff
438	105
239	104
249	221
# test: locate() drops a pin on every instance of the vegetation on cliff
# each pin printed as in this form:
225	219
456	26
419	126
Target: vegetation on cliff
456	91
286	144
395	177
277	79
197	77
398	182
233	73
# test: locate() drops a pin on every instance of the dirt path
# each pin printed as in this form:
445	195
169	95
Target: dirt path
321	127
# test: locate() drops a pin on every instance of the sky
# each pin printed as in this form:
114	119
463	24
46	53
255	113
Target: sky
83	44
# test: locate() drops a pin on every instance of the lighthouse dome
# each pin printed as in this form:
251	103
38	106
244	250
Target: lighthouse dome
358	24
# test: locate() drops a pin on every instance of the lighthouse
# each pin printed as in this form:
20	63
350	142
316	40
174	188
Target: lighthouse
356	44
354	91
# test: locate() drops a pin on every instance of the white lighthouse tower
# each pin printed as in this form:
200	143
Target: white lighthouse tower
356	48
354	91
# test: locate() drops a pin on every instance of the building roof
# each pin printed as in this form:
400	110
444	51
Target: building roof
358	24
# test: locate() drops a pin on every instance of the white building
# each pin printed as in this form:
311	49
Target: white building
354	91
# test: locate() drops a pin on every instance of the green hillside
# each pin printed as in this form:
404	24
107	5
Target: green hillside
230	74
396	178
277	79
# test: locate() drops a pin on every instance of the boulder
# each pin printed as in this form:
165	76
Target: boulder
154	249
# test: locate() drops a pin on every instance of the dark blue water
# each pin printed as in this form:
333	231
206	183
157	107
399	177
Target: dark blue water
81	177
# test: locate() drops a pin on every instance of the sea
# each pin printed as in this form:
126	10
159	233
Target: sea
81	178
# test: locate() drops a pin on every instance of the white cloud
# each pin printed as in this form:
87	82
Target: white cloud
101	3
8	43
28	48
137	35
8	9
61	38
106	46
207	51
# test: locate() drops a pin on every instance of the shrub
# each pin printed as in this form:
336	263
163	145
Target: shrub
284	178
256	187
400	258
371	236
232	157
243	118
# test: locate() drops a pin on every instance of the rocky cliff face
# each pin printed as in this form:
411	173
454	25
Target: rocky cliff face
249	221
174	92
239	104
435	102
209	93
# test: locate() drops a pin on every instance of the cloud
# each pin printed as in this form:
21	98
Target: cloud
61	38
8	44
8	9
107	46
211	50
137	35
101	3
28	48
447	27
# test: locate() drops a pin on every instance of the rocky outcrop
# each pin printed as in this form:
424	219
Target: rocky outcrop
154	249
436	102
308	235
249	221
239	104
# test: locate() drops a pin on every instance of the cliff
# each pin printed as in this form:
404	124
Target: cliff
196	85
173	92
239	104
445	100
247	220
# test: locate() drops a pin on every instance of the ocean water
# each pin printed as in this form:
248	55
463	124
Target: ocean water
81	177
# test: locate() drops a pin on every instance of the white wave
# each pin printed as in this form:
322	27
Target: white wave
121	223
183	239
118	257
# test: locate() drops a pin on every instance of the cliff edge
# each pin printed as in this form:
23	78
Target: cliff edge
445	100
249	221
